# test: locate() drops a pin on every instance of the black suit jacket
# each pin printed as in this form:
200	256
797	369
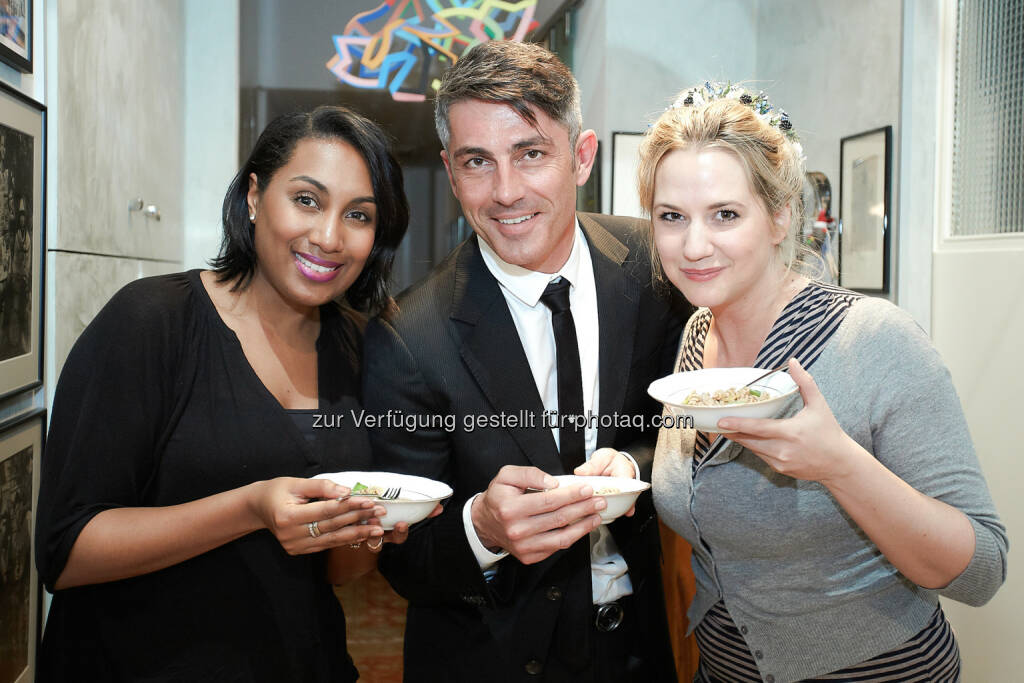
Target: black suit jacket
451	349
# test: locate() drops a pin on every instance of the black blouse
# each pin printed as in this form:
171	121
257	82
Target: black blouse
157	405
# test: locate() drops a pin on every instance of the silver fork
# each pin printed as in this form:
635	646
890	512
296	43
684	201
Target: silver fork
391	493
782	368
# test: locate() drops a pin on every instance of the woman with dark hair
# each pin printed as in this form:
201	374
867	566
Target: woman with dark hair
178	525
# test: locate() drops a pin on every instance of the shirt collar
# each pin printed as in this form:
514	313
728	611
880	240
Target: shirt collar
528	285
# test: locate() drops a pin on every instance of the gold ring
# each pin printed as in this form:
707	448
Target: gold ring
375	548
314	530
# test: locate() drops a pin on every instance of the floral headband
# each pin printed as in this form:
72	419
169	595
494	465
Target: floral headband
757	102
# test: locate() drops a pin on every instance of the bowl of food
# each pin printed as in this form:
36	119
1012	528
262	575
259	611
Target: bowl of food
706	396
406	498
619	492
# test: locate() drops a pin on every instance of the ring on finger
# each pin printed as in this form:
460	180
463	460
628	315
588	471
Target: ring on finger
355	546
314	530
375	548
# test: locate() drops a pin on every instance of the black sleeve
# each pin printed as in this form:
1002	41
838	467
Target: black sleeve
435	565
110	410
642	449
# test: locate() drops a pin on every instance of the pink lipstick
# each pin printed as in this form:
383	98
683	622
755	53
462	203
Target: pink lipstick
701	274
316	269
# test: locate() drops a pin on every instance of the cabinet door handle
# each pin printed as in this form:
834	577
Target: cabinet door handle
149	211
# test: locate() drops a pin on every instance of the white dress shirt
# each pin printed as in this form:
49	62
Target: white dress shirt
522	290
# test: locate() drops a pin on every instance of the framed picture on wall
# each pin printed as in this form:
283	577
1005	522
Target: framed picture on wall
16	34
865	178
625	159
21	241
21	445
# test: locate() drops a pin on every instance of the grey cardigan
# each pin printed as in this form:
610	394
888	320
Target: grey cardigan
806	587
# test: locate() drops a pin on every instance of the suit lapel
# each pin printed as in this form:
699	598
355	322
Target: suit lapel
617	297
491	349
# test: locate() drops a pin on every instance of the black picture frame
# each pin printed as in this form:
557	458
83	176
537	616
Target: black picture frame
22	240
16	34
865	210
21	451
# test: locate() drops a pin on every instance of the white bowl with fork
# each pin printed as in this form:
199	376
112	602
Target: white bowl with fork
416	496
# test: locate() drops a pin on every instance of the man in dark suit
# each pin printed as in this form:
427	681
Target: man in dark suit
517	580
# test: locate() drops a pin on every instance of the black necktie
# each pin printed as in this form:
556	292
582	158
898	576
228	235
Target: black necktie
571	439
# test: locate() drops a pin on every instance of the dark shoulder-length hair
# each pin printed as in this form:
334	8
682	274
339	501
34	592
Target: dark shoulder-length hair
237	260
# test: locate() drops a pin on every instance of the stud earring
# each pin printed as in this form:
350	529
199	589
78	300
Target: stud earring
252	217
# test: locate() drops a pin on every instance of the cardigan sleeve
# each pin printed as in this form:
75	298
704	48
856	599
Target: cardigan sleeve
110	410
919	431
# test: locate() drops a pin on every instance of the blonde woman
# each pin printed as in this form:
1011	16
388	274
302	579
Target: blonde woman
823	540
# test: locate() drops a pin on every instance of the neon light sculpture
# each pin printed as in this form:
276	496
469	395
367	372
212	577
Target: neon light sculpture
382	47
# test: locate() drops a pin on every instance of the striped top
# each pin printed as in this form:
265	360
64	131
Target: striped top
802	331
931	656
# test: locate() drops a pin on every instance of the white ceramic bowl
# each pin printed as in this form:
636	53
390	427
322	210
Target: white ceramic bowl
672	390
618	503
418	497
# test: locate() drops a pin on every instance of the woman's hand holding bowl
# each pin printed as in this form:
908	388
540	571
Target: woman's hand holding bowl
310	515
400	533
810	445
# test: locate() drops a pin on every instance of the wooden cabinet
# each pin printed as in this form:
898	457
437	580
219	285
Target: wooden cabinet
680	587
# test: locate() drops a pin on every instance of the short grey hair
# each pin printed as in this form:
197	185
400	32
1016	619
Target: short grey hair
521	75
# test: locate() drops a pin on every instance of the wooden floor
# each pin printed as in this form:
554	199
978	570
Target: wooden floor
375	625
375	617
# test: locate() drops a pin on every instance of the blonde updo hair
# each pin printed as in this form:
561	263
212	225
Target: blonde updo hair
773	165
